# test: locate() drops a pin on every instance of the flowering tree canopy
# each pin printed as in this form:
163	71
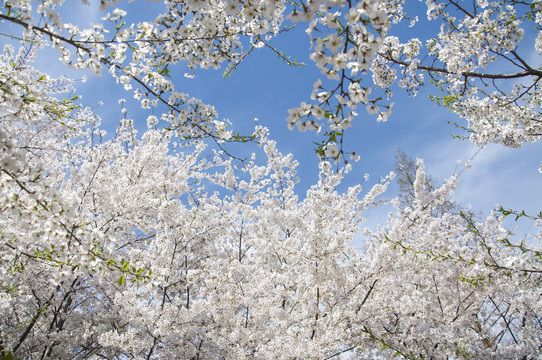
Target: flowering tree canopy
157	244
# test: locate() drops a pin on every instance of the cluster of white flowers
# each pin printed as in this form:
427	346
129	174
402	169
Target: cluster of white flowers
350	44
353	41
472	39
128	247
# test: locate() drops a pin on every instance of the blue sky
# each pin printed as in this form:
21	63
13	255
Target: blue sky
263	87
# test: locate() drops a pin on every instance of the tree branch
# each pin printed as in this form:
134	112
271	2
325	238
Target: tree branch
529	72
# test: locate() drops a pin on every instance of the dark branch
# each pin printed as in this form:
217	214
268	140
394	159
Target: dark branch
528	72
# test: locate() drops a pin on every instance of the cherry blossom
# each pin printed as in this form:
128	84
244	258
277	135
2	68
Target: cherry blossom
156	243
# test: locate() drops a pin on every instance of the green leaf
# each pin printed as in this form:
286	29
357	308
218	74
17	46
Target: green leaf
121	280
8	355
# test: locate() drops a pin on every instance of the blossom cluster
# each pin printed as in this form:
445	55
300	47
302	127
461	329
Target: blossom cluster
131	246
354	45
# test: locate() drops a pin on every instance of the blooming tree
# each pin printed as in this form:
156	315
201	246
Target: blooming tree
156	243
